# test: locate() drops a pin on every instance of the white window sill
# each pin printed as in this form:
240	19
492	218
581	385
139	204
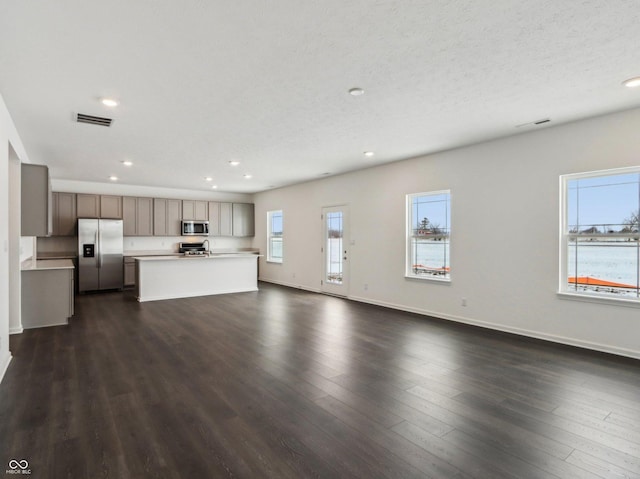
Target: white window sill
429	279
592	298
274	261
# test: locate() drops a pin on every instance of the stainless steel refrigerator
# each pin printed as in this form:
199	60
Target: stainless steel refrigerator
100	246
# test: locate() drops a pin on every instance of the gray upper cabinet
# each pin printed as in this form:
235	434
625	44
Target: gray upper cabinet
64	214
137	214
111	207
88	206
243	219
144	216
231	219
129	223
174	216
195	210
99	206
226	219
167	215
36	202
214	218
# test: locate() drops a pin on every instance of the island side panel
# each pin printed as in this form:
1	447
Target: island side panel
188	277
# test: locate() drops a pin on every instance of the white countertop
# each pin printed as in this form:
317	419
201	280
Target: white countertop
196	258
226	251
149	253
43	264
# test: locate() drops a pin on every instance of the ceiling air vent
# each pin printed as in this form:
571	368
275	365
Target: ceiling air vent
93	120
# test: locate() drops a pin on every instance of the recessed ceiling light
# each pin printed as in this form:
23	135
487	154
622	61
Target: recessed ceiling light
247	177
356	92
127	163
632	82
234	162
113	178
369	153
213	187
109	102
208	178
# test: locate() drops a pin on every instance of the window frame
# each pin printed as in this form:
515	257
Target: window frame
408	273
270	236
564	292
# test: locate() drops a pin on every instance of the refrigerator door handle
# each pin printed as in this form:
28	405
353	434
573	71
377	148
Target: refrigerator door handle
97	249
100	248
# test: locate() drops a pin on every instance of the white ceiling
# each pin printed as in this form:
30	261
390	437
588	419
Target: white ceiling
203	82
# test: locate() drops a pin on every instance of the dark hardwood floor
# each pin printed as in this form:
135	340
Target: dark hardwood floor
284	383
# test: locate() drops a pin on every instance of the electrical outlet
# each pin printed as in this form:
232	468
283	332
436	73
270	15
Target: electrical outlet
463	301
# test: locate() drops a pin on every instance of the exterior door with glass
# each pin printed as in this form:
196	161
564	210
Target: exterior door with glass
335	250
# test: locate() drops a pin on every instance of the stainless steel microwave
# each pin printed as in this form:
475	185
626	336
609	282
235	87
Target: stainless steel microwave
195	228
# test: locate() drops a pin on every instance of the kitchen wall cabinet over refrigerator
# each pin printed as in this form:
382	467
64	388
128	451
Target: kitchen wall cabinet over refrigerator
99	206
35	201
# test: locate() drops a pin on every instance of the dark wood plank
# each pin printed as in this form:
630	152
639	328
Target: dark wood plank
283	383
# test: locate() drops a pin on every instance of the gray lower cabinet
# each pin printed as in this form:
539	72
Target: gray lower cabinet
129	271
47	297
36	202
137	215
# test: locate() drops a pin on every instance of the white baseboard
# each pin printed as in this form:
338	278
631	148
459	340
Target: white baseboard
4	364
506	329
17	330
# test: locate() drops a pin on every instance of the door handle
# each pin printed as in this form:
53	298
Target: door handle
100	248
96	249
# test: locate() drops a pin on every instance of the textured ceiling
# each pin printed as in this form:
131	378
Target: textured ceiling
205	82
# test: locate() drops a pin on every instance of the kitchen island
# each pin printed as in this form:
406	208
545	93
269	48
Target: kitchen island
170	277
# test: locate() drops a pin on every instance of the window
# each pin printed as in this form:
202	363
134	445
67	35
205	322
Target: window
274	233
600	250
428	233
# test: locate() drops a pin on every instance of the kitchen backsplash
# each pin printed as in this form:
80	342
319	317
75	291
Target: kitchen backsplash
65	244
166	243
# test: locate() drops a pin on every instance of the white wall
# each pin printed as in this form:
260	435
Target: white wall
509	279
15	322
8	140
